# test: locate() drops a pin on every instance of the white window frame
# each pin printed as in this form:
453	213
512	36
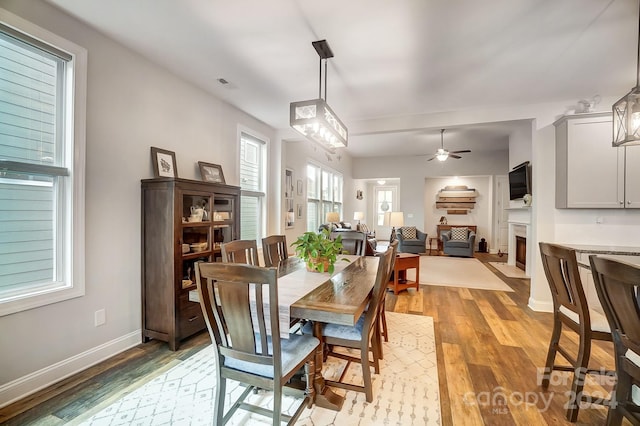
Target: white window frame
334	201
261	194
70	264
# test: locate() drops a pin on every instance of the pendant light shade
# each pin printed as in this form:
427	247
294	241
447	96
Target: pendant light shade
626	112
314	118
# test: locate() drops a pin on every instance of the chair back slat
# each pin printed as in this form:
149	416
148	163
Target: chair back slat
274	249
240	251
378	291
617	284
353	242
561	269
233	305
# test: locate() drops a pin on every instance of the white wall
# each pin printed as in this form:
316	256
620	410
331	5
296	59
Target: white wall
131	105
481	215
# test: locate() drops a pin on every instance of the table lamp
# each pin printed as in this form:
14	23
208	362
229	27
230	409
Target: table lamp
332	217
358	216
393	219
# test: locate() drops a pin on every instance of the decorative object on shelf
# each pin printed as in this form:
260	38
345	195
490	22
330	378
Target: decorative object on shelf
164	163
457	199
393	219
442	154
359	194
211	172
443	220
318	250
299	187
626	112
313	118
358	216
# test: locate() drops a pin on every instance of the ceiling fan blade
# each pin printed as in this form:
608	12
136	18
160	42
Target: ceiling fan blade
431	158
454	156
461	152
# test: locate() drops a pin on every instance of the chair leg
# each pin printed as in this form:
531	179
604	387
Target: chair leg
551	354
620	395
309	374
218	409
277	406
579	377
366	373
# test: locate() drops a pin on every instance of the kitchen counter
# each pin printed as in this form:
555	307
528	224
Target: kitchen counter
622	253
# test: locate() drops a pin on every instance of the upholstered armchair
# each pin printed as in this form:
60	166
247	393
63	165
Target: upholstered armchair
411	240
459	242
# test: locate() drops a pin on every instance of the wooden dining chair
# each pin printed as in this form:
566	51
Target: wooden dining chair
617	284
353	242
360	336
248	346
570	308
383	318
240	251
274	249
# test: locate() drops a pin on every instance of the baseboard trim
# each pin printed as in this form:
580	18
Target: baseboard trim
540	306
26	385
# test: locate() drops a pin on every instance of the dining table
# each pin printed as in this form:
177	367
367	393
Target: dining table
338	298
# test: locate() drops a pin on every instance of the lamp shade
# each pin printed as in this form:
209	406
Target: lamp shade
396	219
626	119
332	217
358	215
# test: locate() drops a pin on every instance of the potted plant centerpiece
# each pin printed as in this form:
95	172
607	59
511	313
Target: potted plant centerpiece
318	250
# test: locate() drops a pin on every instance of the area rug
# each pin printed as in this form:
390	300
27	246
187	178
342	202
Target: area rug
509	270
457	272
405	392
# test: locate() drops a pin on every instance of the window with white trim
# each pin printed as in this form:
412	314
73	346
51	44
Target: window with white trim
253	187
42	106
324	194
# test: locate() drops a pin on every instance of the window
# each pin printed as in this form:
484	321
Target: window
253	187
42	101
324	194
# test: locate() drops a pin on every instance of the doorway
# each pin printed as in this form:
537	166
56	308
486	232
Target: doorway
501	217
385	200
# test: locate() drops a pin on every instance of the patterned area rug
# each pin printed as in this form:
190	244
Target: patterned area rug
405	392
457	272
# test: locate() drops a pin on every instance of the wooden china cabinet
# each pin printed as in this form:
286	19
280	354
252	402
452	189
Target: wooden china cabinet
172	244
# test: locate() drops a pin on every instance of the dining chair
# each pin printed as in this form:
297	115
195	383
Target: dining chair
274	249
240	251
570	308
617	285
248	347
354	242
360	336
383	317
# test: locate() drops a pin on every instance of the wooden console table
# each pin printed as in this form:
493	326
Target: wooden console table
405	261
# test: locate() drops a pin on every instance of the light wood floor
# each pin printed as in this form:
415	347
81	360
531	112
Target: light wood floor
489	346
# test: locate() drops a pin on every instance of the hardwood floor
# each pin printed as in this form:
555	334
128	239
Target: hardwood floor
489	346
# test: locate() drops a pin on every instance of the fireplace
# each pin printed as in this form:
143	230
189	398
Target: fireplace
521	252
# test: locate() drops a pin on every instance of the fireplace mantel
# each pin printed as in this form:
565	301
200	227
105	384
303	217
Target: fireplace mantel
519	226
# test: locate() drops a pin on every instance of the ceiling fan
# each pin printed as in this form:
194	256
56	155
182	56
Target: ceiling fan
442	154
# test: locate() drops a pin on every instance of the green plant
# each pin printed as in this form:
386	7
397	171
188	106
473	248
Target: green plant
318	250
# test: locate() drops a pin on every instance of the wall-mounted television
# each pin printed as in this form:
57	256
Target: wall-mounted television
520	181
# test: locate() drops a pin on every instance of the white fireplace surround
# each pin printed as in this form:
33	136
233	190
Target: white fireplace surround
519	226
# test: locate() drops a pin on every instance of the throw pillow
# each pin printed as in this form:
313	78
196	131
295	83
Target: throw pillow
459	233
409	233
364	228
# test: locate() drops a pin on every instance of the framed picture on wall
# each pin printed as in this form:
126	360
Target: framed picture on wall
299	187
164	162
299	211
211	172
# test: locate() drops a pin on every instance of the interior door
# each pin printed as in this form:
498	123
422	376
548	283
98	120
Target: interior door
501	223
385	201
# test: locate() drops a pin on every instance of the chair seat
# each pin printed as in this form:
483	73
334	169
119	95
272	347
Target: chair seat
412	242
458	243
598	321
345	332
294	349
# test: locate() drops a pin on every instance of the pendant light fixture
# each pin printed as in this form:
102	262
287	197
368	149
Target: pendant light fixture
313	118
626	112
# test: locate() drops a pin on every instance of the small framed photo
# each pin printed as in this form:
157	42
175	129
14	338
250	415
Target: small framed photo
299	187
299	211
211	172
164	162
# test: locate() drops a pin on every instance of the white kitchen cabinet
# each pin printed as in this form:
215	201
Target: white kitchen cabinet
590	172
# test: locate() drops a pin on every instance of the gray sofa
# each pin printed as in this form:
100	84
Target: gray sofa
463	248
415	246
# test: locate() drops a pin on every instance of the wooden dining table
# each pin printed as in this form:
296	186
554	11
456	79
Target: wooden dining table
340	298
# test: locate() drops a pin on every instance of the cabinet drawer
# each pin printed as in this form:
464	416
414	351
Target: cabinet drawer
190	318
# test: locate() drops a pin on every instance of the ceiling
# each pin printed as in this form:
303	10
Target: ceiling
393	59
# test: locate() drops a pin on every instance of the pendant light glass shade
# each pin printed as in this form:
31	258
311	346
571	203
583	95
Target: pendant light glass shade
316	121
626	112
